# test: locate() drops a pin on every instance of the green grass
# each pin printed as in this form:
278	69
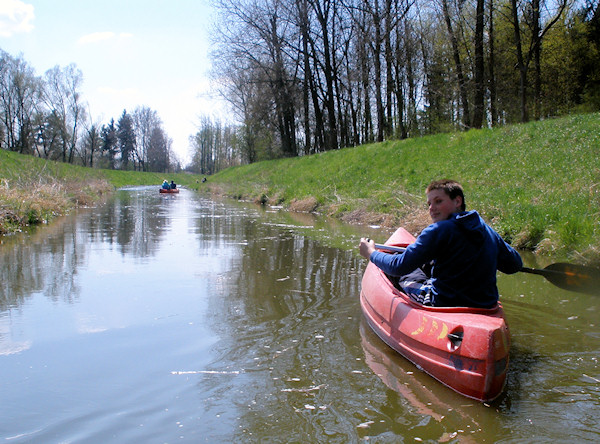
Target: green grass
19	171
537	183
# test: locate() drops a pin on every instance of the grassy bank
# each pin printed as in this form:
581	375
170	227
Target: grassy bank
537	183
33	191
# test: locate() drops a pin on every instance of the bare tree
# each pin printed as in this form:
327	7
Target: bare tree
158	151
479	69
458	64
19	99
530	12
92	145
145	121
255	39
63	100
492	67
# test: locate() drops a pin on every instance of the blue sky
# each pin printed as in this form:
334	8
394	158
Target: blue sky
131	52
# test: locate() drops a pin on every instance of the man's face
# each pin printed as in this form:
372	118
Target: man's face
441	206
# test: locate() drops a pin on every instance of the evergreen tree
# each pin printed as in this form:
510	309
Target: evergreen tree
110	143
126	139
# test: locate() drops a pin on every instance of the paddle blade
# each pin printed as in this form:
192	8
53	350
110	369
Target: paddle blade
573	277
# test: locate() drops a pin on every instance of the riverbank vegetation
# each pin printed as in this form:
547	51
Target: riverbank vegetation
538	183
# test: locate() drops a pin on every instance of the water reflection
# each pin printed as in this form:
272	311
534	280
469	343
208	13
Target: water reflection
47	261
136	224
414	388
288	307
44	265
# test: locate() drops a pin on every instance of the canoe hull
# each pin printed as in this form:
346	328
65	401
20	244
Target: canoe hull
464	348
165	191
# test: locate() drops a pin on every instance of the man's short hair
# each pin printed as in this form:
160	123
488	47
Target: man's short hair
451	187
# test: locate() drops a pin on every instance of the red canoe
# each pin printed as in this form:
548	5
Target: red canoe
169	191
464	348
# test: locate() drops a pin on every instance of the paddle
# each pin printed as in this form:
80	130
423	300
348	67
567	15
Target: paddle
570	277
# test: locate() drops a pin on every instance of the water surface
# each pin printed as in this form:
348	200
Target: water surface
180	319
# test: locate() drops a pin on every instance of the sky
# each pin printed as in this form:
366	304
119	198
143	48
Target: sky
132	53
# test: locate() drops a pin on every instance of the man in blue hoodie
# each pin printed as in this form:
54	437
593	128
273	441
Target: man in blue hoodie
464	253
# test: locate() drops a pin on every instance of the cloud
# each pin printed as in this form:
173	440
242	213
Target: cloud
15	17
96	37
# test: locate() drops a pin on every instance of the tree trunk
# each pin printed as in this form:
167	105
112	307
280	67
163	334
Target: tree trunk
537	85
303	13
478	106
459	68
492	79
377	68
412	90
389	64
520	63
319	122
331	135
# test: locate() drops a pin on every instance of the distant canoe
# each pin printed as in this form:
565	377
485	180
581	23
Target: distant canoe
169	191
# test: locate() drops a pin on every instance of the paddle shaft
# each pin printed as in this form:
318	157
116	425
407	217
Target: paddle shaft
570	277
390	248
537	271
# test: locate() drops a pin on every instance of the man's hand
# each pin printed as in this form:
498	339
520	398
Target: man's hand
366	247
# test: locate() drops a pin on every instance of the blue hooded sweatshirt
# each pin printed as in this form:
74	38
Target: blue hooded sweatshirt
465	251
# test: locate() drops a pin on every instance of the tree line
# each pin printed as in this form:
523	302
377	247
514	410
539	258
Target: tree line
46	116
305	76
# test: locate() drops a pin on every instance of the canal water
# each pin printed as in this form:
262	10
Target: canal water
174	318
